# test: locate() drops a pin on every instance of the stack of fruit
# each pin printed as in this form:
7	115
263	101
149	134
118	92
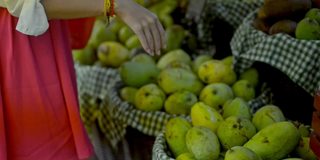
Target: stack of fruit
110	46
237	136
294	17
175	83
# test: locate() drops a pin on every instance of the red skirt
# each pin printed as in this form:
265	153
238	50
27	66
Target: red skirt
39	110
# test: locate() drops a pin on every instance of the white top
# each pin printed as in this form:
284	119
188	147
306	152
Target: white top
31	14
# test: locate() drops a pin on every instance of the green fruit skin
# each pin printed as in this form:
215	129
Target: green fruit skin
166	20
314	13
136	74
176	79
173	56
115	25
308	29
113	54
303	149
128	94
275	141
178	64
198	61
216	94
143	58
204	115
133	42
236	107
100	34
266	116
251	75
175	35
241	153
215	71
85	56
304	130
149	98
292	159
175	134
186	156
180	102
124	34
235	131
244	90
228	60
203	143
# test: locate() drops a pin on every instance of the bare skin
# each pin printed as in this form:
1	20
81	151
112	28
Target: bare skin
144	23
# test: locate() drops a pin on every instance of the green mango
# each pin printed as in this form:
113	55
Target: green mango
186	156
314	13
235	131
236	107
113	54
85	56
115	25
180	102
303	149
205	116
304	130
175	35
176	79
128	94
251	75
179	64
124	34
266	116
133	42
215	71
216	94
149	98
175	133
275	141
228	60
137	74
241	153
308	29
198	61
166	20
244	89
203	143
100	33
173	56
143	58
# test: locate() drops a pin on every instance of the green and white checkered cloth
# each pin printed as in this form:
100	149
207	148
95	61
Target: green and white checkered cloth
93	85
231	11
298	59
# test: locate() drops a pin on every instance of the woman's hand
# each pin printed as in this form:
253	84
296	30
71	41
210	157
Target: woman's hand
144	23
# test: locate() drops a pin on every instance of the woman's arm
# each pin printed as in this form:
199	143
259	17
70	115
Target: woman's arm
144	23
69	9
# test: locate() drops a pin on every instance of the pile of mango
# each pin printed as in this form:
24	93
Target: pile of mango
112	44
236	135
298	18
175	82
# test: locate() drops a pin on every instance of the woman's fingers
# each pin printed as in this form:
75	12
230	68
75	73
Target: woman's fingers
150	41
142	37
162	35
156	35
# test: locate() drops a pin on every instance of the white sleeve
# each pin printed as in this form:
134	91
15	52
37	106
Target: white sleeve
31	14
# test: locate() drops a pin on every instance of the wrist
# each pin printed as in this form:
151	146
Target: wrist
120	6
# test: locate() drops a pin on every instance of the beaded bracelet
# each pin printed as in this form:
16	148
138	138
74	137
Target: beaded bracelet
108	8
